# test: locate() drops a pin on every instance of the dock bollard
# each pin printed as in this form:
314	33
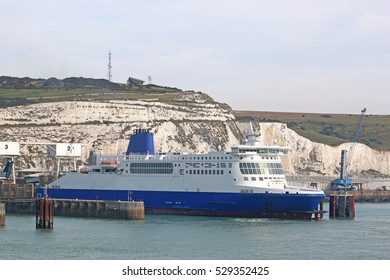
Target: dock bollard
2	214
44	213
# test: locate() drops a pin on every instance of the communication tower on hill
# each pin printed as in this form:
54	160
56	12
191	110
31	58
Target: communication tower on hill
109	75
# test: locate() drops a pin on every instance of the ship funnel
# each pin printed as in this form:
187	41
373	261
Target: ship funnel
141	142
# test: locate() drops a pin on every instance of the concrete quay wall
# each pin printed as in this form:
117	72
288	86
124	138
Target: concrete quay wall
365	195
132	210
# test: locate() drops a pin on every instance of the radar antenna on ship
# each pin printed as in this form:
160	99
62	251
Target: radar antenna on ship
209	141
251	136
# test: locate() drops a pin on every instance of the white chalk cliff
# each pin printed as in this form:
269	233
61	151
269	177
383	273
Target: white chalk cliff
104	127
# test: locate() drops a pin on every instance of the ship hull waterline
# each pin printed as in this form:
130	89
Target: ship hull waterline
243	205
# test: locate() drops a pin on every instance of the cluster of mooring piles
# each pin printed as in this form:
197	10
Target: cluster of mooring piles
44	213
342	205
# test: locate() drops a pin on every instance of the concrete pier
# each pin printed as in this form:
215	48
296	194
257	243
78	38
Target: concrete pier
372	196
365	195
132	210
2	214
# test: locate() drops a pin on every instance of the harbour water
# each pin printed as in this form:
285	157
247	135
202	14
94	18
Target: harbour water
165	237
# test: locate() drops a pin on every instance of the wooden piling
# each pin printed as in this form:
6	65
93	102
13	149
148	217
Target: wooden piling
44	213
2	214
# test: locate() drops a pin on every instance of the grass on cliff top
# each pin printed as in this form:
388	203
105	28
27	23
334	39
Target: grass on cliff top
330	129
14	97
132	93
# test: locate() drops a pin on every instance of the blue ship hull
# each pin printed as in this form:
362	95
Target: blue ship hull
284	206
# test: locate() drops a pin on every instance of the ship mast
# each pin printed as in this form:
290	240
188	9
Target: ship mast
251	136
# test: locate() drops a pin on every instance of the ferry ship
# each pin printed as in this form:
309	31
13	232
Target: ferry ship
248	181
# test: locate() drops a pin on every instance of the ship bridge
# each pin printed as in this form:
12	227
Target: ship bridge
263	150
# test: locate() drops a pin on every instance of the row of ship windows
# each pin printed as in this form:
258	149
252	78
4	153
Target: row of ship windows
151	165
262	171
170	165
167	168
206	172
170	171
185	158
260	168
245	168
151	171
245	165
257	150
207	158
151	168
265	158
260	164
260	178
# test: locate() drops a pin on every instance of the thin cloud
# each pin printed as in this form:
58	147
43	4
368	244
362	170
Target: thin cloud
286	55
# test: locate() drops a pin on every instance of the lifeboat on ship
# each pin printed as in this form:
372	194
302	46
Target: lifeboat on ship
84	169
109	164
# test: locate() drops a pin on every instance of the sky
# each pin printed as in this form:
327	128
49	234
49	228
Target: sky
324	56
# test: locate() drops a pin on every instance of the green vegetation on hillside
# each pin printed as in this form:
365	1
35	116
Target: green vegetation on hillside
23	91
331	129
